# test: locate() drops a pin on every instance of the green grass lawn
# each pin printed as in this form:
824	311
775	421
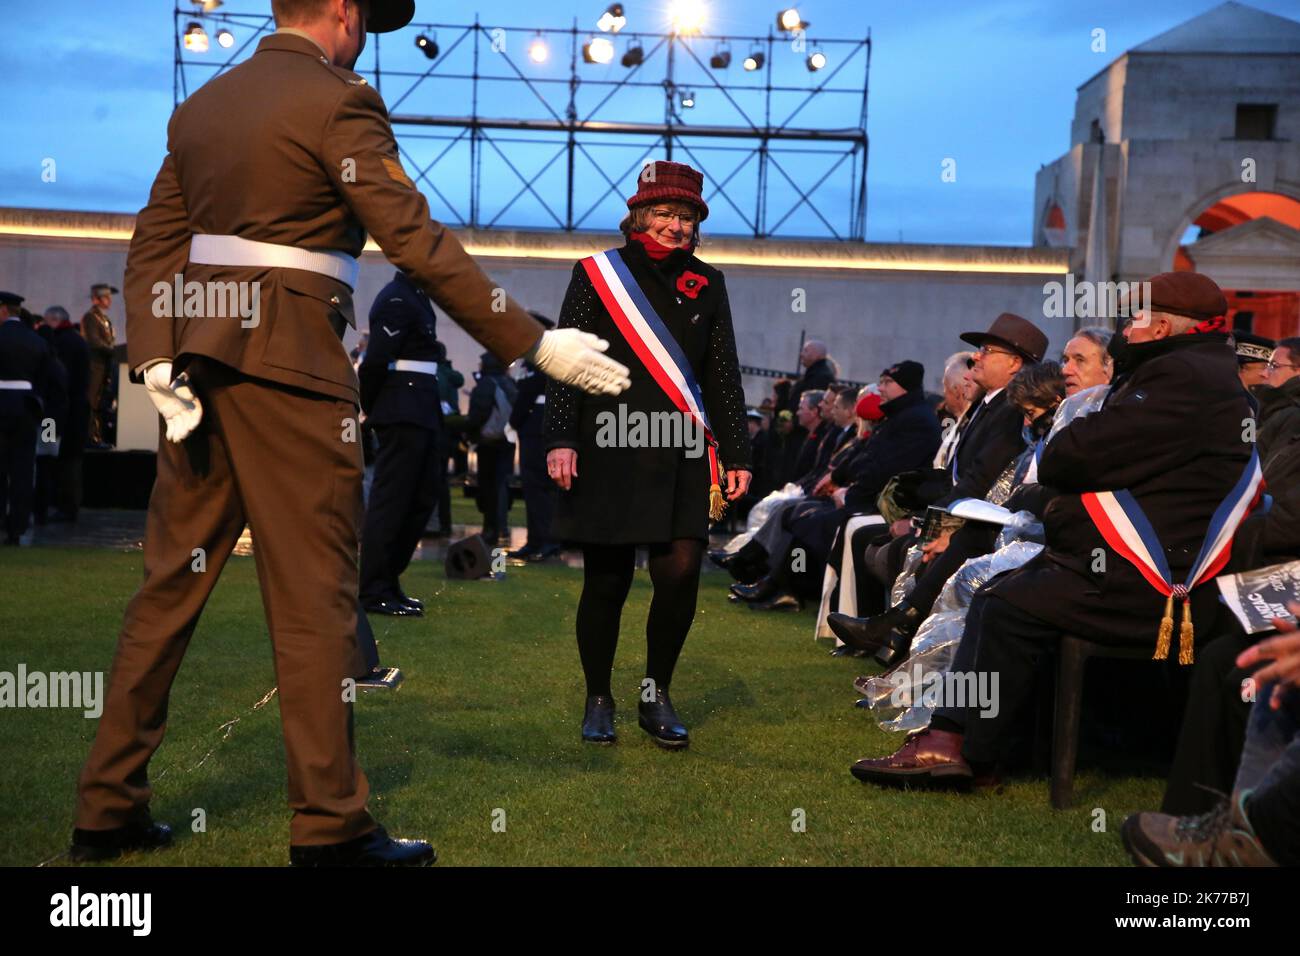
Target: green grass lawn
487	721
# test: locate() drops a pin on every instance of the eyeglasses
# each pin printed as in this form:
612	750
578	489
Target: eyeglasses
1274	366
665	216
986	350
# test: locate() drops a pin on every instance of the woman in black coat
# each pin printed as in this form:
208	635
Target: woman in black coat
624	486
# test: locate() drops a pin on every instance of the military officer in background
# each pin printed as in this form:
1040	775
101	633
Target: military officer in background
97	330
1254	352
70	349
539	490
275	172
25	362
399	395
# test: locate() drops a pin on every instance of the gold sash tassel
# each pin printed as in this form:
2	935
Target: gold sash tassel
1166	632
717	503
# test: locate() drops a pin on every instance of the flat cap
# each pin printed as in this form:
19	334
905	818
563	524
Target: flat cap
1191	294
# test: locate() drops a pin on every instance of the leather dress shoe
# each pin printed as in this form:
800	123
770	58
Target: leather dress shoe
411	602
393	608
375	848
760	590
895	649
778	602
845	651
545	554
930	757
91	845
598	720
660	721
524	553
721	558
872	633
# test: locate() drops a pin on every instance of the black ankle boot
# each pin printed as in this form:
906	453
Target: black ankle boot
873	633
895	649
598	720
661	722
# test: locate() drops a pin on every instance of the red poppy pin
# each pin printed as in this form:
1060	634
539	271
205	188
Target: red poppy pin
690	283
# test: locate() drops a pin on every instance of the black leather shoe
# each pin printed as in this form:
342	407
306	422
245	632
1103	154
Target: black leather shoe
598	720
411	602
759	591
375	848
660	721
91	845
845	651
779	602
895	649
872	633
393	608
524	553
545	554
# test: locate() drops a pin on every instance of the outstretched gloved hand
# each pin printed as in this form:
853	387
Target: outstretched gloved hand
175	400
577	358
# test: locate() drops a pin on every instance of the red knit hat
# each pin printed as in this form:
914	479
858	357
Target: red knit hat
869	407
662	180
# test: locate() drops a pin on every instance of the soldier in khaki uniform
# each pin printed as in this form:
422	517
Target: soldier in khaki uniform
274	174
97	330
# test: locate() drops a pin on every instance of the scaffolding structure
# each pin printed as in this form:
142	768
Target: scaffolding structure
580	131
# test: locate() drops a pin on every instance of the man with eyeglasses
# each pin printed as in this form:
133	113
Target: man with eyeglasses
1279	398
1254	353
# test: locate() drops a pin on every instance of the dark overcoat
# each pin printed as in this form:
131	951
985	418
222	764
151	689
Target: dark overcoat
642	495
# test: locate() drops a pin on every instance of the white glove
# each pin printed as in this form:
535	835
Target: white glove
576	358
175	401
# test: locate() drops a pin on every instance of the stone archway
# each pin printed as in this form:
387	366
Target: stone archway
1195	209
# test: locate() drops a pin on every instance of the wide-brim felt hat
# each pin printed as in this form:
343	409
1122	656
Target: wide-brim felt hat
389	15
1014	332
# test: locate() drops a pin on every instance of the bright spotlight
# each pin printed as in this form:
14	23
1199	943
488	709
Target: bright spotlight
225	38
537	50
816	60
688	100
788	21
598	50
196	38
634	56
428	47
612	20
687	16
755	61
207	6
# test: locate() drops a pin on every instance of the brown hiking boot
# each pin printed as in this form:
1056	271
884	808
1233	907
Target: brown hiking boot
1222	837
929	757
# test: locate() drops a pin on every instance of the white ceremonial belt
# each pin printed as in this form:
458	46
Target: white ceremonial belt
237	251
15	384
413	365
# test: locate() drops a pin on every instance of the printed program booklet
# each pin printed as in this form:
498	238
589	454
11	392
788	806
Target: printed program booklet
1258	596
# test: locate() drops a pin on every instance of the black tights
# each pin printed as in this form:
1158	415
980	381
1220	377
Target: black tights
607	576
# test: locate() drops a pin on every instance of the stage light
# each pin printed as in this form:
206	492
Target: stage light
788	21
816	60
207	5
686	16
537	50
598	50
612	20
196	38
755	61
688	100
634	56
428	47
225	38
720	60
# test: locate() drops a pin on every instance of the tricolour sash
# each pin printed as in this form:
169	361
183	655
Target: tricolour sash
1127	530
658	351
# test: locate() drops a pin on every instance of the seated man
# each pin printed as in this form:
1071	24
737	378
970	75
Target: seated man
1259	825
906	439
989	443
1084	364
1132	464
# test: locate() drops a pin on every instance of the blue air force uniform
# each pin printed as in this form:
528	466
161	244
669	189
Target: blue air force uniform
25	362
399	394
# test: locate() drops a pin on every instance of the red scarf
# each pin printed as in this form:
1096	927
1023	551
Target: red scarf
655	249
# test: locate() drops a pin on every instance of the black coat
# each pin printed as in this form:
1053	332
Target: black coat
818	375
990	442
906	439
644	494
71	350
1171	433
529	414
403	325
1273	536
483	398
24	356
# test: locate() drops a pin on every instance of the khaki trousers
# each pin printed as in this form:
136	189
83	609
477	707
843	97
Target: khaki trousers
276	458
